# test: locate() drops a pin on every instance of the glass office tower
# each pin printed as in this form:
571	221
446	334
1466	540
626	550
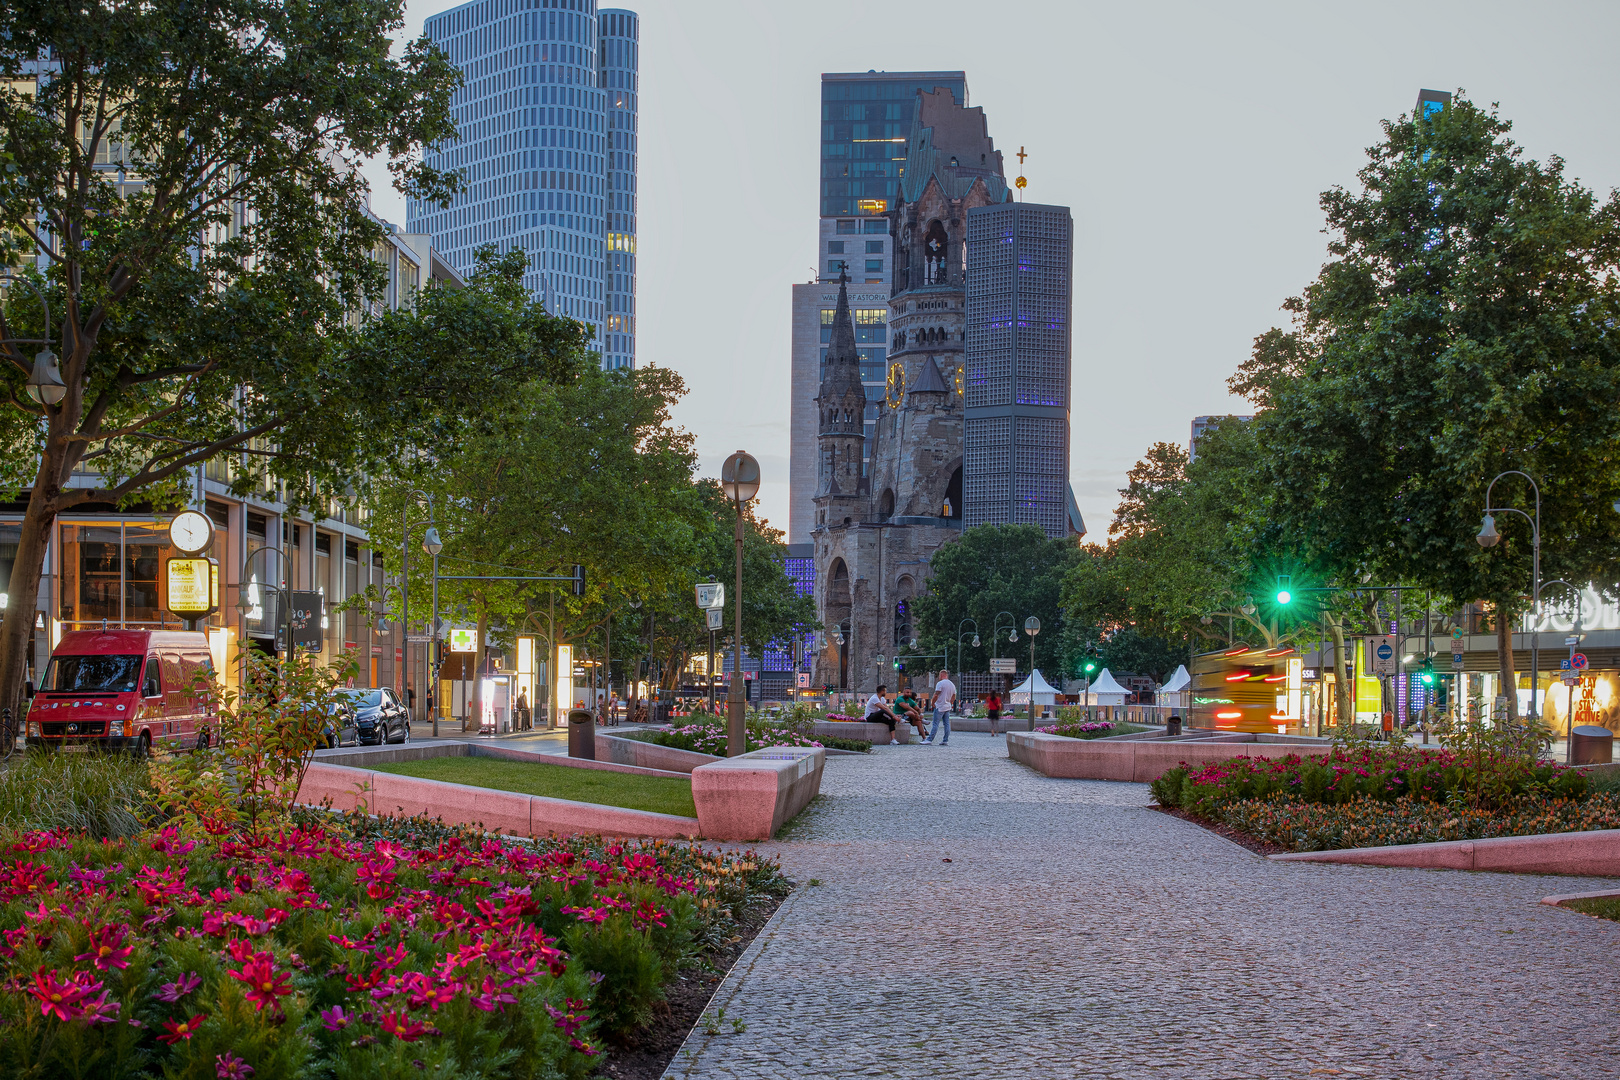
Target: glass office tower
539	152
865	121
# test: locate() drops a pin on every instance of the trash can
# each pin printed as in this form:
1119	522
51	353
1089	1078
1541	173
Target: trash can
1172	726
582	734
1591	745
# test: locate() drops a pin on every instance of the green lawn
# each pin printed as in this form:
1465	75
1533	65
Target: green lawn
659	794
1604	907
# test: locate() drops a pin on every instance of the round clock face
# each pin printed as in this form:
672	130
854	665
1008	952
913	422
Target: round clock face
191	532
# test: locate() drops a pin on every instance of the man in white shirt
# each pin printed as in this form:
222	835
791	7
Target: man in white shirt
877	712
944	698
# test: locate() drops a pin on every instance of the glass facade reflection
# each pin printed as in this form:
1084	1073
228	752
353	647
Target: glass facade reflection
865	120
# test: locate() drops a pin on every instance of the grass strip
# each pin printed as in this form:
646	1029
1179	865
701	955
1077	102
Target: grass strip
1604	907
658	794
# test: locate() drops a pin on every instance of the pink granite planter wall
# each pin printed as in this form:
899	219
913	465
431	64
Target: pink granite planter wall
1139	760
497	811
749	797
649	755
876	734
1585	854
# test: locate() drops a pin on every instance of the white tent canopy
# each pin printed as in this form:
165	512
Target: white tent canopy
1105	690
1044	693
1178	682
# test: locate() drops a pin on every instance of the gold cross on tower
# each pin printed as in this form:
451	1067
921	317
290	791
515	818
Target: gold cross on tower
1020	183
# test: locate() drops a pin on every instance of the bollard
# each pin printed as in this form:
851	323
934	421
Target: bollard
582	734
1591	745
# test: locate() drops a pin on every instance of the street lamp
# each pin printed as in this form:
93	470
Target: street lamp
44	385
739	476
405	576
433	545
1488	537
1032	626
959	635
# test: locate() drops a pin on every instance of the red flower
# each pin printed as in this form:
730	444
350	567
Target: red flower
265	984
176	1030
63	1000
402	1027
107	949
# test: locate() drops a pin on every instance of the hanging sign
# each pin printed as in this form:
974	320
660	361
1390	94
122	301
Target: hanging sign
191	586
463	639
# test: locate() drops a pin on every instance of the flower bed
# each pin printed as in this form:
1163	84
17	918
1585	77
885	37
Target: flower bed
345	949
1369	822
1090	729
711	738
1380	774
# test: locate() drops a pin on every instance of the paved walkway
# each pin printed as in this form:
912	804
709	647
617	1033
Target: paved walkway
1073	933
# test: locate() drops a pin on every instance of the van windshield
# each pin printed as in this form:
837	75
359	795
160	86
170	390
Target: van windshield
92	674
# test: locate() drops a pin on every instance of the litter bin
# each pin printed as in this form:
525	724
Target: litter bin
1172	727
582	734
1591	745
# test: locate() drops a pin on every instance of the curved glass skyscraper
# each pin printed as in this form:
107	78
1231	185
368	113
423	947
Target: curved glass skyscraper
540	145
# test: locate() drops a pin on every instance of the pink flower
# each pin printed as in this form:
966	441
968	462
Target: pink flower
335	1019
174	991
107	949
63	1000
493	997
402	1027
176	1030
228	1066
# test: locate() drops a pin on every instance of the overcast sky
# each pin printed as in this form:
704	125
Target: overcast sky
1191	141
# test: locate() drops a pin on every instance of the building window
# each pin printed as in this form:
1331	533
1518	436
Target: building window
874	266
874	247
878	225
834	266
871	316
835	247
846	226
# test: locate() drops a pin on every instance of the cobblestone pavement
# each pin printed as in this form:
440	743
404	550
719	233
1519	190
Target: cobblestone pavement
975	919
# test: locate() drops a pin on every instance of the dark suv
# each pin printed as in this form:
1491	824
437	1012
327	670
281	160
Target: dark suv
379	716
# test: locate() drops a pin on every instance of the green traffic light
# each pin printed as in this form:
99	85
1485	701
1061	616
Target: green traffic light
1284	596
1285	593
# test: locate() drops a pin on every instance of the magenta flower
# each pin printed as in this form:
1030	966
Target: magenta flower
228	1066
107	949
335	1019
174	991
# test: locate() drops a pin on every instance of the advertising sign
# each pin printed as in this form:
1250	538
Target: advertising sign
463	639
305	619
191	586
565	683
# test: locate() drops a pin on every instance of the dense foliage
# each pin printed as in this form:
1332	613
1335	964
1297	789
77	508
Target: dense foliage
1370	822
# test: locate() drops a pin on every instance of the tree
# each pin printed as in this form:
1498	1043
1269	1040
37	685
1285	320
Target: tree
203	293
1464	326
992	569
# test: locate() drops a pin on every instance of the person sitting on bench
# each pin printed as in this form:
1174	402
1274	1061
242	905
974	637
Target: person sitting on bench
906	706
877	712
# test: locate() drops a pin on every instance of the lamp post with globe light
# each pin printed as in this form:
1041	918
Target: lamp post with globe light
1032	626
959	636
433	545
739	477
1488	537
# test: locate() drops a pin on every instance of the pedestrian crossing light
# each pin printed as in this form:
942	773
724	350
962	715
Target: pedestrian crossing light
1285	585
1426	672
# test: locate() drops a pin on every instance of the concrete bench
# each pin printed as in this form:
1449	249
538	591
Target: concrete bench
748	798
875	733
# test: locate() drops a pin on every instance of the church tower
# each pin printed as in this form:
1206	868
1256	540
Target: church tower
840	491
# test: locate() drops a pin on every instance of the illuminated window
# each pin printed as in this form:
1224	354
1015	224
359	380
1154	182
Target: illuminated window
865	316
827	316
871	206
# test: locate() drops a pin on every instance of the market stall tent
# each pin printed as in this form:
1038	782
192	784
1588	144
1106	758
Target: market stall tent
1044	693
1177	690
1105	690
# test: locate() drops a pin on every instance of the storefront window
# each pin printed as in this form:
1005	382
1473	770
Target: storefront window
92	580
145	549
10	537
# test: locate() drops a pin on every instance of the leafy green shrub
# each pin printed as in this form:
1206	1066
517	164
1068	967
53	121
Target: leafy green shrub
1368	822
859	746
100	795
1167	788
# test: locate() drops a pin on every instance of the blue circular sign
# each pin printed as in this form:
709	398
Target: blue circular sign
1384	651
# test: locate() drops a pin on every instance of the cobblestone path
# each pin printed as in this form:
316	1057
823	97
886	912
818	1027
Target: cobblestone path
975	919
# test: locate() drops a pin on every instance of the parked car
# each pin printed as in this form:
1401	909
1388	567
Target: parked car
339	727
379	715
123	690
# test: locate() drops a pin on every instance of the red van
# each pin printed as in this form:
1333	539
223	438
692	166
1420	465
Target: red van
123	690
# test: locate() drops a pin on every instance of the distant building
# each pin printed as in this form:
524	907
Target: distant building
1201	426
1019	263
1430	102
866	118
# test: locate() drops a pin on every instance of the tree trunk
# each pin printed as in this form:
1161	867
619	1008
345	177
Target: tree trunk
1344	700
1504	660
26	571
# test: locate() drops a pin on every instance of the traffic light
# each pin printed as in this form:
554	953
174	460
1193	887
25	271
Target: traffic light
1089	666
579	580
1426	672
900	666
1285	585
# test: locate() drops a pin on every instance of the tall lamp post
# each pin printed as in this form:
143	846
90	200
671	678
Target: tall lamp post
433	545
1032	626
739	476
959	636
405	524
1488	537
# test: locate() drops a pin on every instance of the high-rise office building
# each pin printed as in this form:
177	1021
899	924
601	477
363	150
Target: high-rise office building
548	147
866	119
1015	440
1430	102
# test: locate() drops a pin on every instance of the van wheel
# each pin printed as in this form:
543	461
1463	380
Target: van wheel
142	750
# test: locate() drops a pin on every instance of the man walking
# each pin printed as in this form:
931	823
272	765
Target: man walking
944	698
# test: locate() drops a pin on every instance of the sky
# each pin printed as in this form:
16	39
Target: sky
1191	140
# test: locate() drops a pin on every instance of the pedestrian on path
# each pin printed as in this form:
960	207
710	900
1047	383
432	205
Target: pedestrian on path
877	712
944	698
992	708
523	710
